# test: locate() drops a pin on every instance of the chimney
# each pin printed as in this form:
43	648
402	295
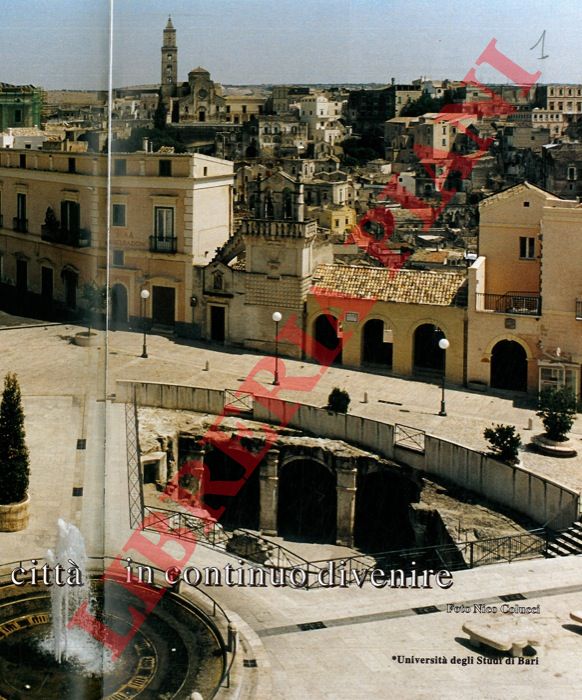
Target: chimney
145	145
392	81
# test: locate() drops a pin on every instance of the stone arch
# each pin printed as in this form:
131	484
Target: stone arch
508	368
241	509
327	334
307	500
427	357
382	519
374	350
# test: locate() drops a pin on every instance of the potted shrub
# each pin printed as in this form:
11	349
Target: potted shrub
93	297
505	443
14	466
338	400
557	409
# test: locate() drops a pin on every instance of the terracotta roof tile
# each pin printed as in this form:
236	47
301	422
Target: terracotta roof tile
403	286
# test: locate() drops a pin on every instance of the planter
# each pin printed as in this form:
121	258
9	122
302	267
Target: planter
87	340
553	448
14	516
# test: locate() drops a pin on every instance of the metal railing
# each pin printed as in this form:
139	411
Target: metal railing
134	472
20	225
523	303
238	401
163	245
77	238
409	437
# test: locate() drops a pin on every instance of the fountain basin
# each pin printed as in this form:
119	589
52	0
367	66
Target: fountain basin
176	651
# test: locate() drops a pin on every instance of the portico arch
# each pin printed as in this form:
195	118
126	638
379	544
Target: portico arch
427	356
307	502
326	332
509	366
375	351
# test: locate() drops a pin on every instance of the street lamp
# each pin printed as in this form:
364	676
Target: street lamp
443	345
277	318
145	295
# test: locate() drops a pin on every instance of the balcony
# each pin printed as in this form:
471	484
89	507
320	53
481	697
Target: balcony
163	245
522	303
76	238
20	225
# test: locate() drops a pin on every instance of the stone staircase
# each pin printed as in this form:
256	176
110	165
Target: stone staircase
567	542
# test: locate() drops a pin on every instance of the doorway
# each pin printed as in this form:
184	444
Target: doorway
163	306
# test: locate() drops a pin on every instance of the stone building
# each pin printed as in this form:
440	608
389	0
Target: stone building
20	106
525	294
197	100
562	169
168	212
389	320
265	267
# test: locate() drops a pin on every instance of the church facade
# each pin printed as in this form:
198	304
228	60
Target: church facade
199	99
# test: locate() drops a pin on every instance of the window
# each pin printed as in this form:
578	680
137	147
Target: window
551	105
72	165
205	171
164	222
165	168
118	215
120	167
20	222
70	216
228	109
526	204
118	257
526	247
244	109
17	116
572	174
22	161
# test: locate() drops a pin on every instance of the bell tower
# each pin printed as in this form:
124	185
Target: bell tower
169	60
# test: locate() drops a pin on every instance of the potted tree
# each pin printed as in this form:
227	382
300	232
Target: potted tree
557	409
93	297
14	466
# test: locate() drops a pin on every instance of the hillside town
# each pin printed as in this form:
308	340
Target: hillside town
292	369
233	202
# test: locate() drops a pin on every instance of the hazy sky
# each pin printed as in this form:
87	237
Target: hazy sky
63	43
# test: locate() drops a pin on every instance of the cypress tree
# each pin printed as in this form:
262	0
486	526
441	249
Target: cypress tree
14	471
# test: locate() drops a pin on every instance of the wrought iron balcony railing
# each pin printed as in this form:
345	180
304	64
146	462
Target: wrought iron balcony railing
523	303
163	245
20	225
76	238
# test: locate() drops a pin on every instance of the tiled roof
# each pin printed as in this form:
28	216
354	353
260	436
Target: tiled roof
404	286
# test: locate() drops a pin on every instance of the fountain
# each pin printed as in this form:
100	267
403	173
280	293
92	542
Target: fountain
69	551
175	652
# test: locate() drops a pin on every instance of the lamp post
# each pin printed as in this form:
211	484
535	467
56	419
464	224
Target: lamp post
276	318
443	345
145	295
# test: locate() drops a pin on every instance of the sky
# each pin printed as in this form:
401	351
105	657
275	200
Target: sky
64	43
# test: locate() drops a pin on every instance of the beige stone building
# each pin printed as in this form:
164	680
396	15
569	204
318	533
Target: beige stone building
265	267
167	213
388	320
525	292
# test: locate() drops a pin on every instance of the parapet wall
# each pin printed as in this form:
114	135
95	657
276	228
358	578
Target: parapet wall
545	501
